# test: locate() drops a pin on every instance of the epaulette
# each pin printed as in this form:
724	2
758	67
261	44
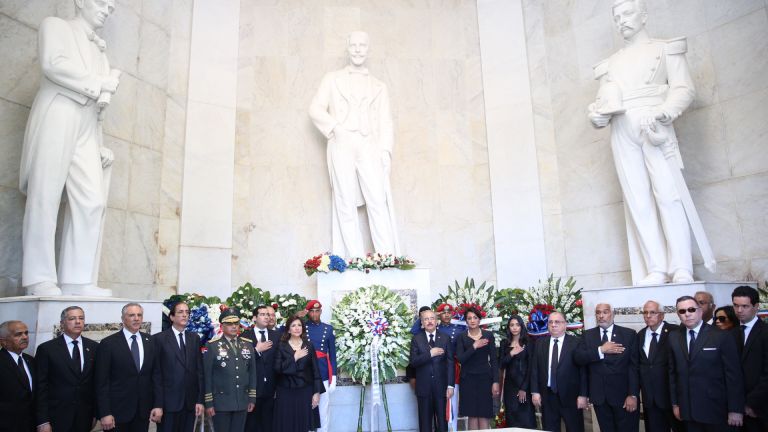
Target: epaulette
214	339
676	45
246	339
600	69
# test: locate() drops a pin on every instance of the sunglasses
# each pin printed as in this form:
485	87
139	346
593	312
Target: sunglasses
721	319
689	310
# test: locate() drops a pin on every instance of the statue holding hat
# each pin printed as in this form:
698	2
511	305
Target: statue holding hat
644	87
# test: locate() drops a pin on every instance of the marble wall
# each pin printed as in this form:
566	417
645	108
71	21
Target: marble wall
723	136
149	41
428	54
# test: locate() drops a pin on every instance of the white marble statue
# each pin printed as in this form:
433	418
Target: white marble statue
644	87
63	152
351	109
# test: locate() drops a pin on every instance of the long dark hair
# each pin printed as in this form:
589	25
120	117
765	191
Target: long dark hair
287	333
730	313
523	339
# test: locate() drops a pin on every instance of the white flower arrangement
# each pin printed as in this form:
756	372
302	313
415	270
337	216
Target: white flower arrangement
354	337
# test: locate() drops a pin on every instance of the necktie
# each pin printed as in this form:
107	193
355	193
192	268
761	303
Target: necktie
605	336
653	346
135	352
693	341
76	356
553	367
263	336
431	341
744	333
182	346
24	371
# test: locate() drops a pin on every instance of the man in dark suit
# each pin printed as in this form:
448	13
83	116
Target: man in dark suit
706	383
124	368
558	384
65	395
653	345
610	354
264	344
16	376
431	360
753	338
178	373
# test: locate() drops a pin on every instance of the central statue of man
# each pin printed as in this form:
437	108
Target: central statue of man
351	109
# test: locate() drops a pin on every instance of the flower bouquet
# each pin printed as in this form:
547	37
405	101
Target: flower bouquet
373	337
377	261
245	299
549	296
325	263
480	297
287	305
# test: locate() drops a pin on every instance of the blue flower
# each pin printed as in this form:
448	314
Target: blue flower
337	263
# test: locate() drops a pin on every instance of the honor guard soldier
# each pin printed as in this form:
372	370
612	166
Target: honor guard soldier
322	337
230	376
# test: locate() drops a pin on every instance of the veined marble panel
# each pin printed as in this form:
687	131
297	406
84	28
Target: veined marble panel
18	53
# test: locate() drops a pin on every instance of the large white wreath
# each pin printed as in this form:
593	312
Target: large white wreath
352	319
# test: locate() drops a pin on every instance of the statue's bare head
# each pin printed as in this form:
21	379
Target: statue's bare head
94	12
629	16
357	47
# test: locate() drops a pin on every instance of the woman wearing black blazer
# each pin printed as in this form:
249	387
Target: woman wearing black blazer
515	360
479	378
298	381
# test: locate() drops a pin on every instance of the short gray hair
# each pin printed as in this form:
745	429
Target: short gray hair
70	308
122	311
659	307
5	328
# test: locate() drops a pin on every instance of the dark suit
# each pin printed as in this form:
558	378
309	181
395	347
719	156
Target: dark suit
612	378
710	384
260	420
121	390
16	398
178	379
754	364
433	376
64	394
571	382
654	382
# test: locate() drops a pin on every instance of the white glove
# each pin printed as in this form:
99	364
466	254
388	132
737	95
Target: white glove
332	386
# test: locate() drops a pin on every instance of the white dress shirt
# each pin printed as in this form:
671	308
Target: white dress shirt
139	342
176	334
560	341
696	331
649	336
26	366
70	347
610	338
750	325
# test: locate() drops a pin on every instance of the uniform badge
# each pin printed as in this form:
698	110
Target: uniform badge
246	353
223	364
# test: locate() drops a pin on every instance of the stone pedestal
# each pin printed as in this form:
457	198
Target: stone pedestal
413	285
627	301
102	315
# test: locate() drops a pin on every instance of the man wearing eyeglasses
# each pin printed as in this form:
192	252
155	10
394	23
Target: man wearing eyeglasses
707	304
264	341
653	363
753	344
706	384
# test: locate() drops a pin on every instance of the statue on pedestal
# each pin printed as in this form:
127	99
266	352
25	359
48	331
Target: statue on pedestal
63	152
351	109
644	87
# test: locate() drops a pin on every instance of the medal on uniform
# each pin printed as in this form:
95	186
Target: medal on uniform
246	354
223	364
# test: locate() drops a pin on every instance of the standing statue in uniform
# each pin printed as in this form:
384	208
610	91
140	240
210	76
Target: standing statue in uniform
351	109
63	152
644	87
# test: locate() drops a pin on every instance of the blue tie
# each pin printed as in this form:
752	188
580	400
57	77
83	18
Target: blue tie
135	353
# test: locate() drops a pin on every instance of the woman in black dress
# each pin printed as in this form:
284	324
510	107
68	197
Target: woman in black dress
479	378
297	380
515	360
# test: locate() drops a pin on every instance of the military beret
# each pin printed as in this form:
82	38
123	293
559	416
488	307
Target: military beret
313	304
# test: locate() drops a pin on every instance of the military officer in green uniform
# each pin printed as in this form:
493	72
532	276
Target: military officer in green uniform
230	376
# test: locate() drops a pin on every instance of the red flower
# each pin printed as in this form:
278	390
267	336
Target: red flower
274	306
223	307
579	303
